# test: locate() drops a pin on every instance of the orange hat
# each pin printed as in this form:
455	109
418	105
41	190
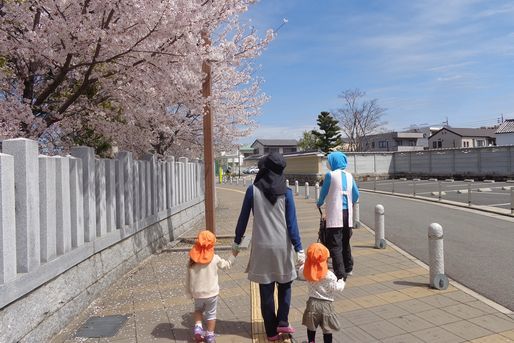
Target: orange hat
316	266
203	250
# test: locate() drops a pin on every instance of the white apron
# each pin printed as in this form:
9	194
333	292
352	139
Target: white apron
334	199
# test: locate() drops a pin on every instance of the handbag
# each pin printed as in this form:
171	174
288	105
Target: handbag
322	232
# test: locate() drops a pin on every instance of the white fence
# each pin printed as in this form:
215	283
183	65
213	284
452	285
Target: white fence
58	211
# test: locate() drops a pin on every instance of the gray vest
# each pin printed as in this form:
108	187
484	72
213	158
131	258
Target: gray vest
272	255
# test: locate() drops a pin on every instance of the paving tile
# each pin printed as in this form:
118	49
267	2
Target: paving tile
360	317
382	329
495	323
466	330
389	311
414	306
406	338
356	334
437	335
496	338
410	323
508	334
464	311
438	317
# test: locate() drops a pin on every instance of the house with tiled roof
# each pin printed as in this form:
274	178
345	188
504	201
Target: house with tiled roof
453	137
505	133
283	146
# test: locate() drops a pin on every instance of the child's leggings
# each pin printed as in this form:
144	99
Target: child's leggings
311	335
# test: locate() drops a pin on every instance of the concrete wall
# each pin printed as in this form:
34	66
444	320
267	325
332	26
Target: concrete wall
505	139
71	225
486	162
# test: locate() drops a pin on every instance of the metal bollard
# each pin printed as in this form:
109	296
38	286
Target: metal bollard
316	191
469	194
380	242
296	188
307	191
375	184
439	188
438	279
413	187
356	216
287	183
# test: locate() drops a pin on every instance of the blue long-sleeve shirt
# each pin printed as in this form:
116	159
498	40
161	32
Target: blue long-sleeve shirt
291	222
326	186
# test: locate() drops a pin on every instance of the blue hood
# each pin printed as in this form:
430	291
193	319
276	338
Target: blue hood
337	160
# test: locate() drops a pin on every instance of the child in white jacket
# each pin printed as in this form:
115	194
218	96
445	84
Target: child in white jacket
202	283
322	284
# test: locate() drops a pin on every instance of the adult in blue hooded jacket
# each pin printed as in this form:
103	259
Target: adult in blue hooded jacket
339	193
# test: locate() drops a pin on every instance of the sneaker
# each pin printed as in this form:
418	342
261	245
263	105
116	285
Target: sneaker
198	333
210	339
274	338
285	329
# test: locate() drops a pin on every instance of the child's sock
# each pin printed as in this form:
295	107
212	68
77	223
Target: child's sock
311	336
327	338
209	333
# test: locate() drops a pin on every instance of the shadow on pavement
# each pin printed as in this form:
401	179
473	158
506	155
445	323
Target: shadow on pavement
412	284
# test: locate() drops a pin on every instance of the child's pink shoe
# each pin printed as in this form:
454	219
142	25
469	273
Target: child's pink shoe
285	329
198	333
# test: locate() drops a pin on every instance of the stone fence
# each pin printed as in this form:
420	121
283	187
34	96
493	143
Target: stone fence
71	225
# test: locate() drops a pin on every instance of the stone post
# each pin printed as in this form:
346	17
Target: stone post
7	220
164	186
76	202
101	198
153	182
172	183
380	242
296	188
307	191
26	179
438	279
169	200
148	165
183	178
120	195
87	155
316	191
126	164
142	188
47	208
110	199
63	198
137	196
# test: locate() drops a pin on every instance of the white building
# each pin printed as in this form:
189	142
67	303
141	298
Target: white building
505	133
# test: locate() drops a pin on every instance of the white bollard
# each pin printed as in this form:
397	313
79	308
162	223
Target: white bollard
287	183
438	279
307	191
380	242
356	216
316	191
512	201
296	188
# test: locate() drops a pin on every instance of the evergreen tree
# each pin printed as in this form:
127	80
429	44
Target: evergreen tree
329	135
308	141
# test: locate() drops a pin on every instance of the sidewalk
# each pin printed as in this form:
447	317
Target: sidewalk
386	300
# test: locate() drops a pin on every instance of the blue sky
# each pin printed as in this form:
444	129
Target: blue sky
424	60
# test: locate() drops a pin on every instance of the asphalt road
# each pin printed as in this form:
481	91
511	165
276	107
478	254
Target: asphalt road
478	247
495	194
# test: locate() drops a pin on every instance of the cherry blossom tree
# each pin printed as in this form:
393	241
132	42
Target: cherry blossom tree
126	73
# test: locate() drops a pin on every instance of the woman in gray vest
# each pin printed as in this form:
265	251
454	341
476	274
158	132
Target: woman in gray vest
276	245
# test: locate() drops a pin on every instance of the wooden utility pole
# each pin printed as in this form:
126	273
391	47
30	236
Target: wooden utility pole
208	150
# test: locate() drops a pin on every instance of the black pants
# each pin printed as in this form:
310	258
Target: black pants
271	318
338	243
